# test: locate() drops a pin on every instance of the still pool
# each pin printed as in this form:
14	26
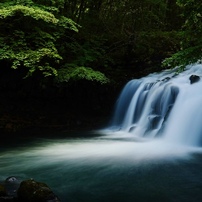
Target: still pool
106	168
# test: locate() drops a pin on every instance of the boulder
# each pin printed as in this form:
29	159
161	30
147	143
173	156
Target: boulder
33	191
11	184
8	189
194	78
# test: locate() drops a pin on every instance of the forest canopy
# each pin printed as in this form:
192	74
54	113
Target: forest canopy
191	37
98	40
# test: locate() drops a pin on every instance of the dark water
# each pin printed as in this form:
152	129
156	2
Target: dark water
108	168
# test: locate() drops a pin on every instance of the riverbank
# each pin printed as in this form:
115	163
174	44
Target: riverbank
14	125
55	108
35	116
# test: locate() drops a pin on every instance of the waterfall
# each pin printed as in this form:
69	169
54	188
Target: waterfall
166	105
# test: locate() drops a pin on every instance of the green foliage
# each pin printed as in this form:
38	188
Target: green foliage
155	46
87	53
184	57
28	37
115	36
31	60
191	40
34	12
68	23
78	73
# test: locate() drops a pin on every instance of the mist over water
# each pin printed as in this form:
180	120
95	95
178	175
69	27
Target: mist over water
150	152
104	168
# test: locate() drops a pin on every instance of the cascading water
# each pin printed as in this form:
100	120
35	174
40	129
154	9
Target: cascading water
166	105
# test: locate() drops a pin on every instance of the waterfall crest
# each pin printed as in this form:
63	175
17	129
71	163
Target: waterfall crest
166	105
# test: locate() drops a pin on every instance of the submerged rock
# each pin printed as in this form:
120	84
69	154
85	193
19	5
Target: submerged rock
33	191
154	121
194	78
166	79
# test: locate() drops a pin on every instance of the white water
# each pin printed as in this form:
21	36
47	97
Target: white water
164	105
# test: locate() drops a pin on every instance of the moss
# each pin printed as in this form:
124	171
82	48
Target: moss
32	191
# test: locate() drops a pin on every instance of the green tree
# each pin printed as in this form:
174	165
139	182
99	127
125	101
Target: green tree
191	35
31	37
141	33
28	35
116	37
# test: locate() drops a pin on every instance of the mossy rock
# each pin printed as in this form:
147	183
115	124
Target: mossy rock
33	191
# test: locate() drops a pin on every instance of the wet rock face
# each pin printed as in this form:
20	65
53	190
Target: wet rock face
33	191
194	78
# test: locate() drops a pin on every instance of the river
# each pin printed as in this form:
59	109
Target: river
94	167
